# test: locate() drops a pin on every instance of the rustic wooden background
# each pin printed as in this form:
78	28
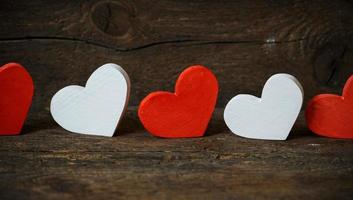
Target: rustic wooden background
242	42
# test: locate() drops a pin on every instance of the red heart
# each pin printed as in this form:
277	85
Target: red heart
16	91
186	112
331	115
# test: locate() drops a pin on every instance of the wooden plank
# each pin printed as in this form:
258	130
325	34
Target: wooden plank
241	68
52	163
132	24
240	41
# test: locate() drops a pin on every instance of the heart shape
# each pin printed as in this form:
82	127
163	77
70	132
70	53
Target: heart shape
97	108
16	91
332	115
185	113
271	117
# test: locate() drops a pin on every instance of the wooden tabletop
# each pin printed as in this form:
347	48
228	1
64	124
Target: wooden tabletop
51	163
243	42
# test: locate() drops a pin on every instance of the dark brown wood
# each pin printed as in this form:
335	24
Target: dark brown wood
242	42
52	163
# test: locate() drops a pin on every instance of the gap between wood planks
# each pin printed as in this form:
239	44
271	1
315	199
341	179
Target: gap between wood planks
188	41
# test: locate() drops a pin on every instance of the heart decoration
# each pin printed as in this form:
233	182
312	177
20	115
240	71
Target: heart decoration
332	115
16	91
185	113
270	117
97	108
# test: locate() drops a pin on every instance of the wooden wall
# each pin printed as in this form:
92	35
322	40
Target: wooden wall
243	42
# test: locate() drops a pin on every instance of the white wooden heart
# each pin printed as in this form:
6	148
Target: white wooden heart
270	117
97	108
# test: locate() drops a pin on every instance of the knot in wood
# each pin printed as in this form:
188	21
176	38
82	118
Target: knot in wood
114	18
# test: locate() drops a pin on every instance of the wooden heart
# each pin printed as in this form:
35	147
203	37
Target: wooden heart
16	92
332	115
270	117
185	113
97	108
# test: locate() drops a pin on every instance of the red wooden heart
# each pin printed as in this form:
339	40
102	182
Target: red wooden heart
331	115
16	91
186	112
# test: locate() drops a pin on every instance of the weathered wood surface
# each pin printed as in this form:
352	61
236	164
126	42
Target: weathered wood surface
243	42
52	163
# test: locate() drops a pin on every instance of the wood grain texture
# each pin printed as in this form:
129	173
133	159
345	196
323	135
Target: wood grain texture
52	163
242	42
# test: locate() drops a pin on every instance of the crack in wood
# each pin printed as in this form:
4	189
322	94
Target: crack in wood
190	41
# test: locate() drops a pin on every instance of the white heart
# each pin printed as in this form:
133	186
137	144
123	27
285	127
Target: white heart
271	117
97	108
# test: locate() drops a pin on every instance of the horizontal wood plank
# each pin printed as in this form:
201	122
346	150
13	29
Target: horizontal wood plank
55	64
52	163
242	42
